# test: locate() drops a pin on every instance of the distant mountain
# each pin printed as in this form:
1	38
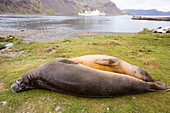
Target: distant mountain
57	7
146	12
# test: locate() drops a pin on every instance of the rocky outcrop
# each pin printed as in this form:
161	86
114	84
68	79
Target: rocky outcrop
155	18
20	6
57	7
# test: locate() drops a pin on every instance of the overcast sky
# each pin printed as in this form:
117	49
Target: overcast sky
161	5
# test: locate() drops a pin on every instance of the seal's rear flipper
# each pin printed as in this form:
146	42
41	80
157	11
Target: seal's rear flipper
160	83
159	86
167	90
67	61
108	61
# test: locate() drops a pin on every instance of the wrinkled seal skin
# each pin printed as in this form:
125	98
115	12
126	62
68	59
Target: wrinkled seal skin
69	77
113	64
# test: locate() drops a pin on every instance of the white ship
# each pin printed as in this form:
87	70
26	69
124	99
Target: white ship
92	13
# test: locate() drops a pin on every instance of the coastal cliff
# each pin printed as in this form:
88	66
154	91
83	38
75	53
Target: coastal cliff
57	7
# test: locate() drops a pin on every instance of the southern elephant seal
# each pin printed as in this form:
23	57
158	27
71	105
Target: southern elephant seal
113	64
69	77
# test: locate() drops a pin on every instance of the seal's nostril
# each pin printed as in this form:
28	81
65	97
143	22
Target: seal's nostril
14	87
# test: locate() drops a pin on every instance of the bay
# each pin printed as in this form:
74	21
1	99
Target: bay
122	23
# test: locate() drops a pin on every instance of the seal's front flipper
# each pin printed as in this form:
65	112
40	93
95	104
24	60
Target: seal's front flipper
67	61
108	61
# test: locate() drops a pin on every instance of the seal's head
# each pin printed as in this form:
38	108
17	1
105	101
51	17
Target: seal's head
21	84
142	74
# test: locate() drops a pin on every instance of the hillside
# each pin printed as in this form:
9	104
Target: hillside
147	12
56	7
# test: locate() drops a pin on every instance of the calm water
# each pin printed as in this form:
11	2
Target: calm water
96	23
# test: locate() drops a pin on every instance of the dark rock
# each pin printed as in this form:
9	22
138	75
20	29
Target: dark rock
11	36
22	30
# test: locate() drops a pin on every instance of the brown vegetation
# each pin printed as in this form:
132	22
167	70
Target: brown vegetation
1	87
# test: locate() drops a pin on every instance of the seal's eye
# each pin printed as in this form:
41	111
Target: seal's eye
19	81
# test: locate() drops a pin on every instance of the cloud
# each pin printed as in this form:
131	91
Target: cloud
162	5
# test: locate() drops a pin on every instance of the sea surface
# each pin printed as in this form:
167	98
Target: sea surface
89	23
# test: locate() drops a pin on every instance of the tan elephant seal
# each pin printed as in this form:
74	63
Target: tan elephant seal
113	64
69	77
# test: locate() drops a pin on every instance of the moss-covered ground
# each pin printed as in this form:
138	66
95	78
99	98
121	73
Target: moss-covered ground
148	51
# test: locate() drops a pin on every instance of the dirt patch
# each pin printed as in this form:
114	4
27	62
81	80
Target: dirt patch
111	42
51	49
145	50
149	59
153	65
149	62
2	87
11	53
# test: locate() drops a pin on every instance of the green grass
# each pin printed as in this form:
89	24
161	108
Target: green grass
149	51
2	46
6	39
50	11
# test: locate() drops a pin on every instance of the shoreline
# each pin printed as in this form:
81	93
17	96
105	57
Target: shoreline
157	18
52	35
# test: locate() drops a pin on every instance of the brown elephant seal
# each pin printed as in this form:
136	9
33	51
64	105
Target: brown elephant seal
69	77
113	64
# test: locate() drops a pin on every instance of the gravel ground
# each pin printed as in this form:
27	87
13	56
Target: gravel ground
45	36
52	35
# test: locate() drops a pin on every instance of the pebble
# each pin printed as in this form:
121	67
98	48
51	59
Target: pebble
3	103
11	37
107	109
9	45
134	97
57	108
